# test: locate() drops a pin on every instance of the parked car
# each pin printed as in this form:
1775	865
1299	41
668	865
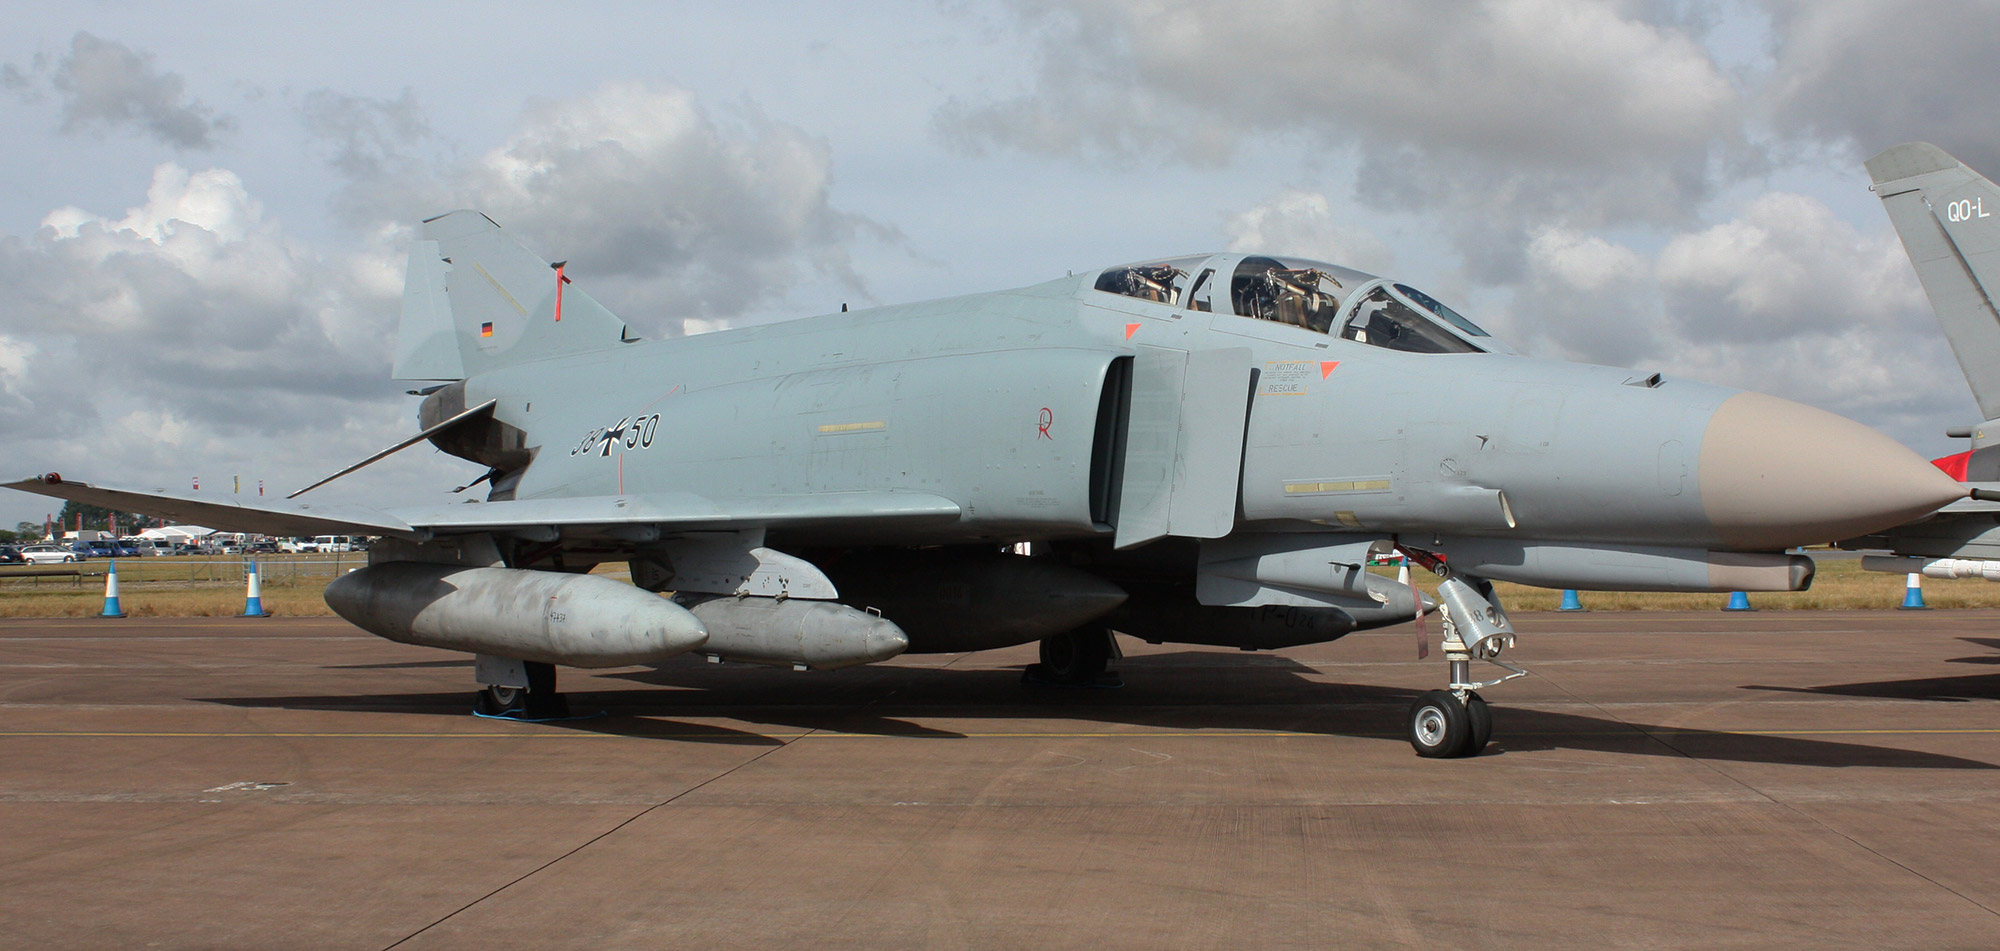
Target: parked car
333	543
9	555
49	555
261	548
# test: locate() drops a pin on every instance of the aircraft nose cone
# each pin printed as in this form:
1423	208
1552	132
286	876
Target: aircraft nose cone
1776	474
684	634
883	641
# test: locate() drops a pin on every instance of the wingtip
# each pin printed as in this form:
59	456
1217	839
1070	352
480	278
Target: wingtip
38	481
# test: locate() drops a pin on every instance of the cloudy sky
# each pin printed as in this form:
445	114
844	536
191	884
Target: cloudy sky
201	244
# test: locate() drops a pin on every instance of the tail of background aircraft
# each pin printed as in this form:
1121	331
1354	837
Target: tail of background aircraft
1949	219
476	300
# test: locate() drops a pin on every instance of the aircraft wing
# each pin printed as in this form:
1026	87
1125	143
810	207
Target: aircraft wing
634	515
681	511
225	512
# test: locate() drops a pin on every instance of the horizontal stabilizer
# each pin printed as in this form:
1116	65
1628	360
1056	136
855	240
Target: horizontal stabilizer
477	412
225	513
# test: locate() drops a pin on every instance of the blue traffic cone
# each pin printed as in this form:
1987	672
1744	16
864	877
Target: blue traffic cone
1913	594
253	594
1738	601
1570	603
111	607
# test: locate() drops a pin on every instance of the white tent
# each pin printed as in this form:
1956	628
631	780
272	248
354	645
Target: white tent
177	533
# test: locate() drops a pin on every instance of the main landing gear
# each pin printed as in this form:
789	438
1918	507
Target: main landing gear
1077	658
1456	721
518	690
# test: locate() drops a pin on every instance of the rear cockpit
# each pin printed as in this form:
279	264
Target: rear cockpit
1311	295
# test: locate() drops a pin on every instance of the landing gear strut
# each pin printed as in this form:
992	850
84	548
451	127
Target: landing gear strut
1456	721
1073	658
527	691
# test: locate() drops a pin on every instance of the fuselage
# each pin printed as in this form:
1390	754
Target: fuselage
1000	402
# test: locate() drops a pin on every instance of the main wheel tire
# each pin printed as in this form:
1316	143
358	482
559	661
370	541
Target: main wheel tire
1481	718
498	701
1076	657
1439	725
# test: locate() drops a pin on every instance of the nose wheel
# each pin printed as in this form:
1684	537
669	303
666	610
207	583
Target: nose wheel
1442	726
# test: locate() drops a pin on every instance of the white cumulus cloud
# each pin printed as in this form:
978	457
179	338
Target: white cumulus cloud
1304	223
191	332
665	211
1787	266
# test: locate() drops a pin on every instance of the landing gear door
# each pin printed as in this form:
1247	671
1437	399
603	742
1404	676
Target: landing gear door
1184	444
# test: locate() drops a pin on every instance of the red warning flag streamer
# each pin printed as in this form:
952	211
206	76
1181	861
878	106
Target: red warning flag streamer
560	281
1954	466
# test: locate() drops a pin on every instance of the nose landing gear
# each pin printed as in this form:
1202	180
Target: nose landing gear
1456	721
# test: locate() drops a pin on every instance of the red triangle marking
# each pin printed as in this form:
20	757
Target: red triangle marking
1131	329
1326	368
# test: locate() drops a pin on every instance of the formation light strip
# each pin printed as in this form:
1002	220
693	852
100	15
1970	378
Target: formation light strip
1358	485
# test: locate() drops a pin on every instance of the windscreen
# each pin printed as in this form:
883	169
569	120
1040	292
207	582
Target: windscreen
1450	316
1383	320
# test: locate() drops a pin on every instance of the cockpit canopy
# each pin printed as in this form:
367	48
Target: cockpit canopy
1313	295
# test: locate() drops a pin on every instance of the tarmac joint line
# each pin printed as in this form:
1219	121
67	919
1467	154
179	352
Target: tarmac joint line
593	840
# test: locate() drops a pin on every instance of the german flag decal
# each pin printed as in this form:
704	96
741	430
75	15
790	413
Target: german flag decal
486	329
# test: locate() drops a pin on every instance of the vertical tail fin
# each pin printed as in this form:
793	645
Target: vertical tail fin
476	300
1952	233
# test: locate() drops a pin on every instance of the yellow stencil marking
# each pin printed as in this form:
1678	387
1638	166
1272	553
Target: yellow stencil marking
497	287
853	427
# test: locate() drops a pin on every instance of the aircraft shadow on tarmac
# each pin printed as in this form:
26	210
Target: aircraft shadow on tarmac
1193	690
1949	689
405	665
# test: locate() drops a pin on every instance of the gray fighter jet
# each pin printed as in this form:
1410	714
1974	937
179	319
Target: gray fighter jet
1203	450
1952	235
